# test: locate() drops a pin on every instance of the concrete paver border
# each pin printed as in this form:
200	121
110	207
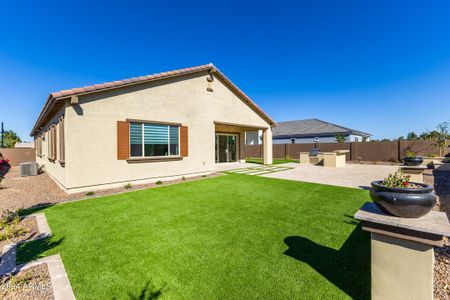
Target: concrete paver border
62	289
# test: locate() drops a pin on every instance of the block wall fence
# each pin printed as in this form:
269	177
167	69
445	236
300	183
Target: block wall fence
19	155
367	151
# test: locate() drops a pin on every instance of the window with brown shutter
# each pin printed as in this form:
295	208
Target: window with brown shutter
52	140
62	146
38	144
184	145
123	140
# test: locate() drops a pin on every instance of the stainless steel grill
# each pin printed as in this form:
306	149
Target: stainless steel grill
314	152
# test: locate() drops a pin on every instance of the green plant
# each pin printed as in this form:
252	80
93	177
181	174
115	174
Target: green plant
410	154
159	182
431	155
20	279
340	138
9	225
397	180
128	186
441	139
203	176
90	193
288	157
9	217
183	178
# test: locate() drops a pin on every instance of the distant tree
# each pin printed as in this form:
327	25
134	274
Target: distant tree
412	136
430	135
10	139
442	136
401	138
340	138
385	140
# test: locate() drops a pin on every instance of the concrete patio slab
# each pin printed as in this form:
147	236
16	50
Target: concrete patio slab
352	175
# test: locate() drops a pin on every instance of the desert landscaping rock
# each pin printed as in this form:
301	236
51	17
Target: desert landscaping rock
29	224
28	284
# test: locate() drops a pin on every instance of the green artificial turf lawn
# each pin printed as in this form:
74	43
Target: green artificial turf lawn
228	237
276	161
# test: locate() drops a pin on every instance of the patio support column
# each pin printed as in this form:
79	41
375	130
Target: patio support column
267	146
402	252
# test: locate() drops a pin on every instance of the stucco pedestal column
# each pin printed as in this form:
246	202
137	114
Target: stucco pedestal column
402	261
267	146
415	173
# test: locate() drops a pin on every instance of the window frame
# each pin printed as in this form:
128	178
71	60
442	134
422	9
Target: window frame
143	156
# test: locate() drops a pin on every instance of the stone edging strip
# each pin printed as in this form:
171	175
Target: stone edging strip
62	289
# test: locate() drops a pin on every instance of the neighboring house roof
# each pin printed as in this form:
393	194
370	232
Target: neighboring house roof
65	94
311	127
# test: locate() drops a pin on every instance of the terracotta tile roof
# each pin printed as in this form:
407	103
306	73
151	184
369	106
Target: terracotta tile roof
63	94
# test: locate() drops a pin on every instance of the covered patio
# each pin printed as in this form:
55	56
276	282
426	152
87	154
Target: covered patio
230	142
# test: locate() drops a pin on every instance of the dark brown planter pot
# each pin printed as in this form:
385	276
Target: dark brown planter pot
403	202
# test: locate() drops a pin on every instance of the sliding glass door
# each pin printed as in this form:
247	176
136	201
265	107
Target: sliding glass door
226	147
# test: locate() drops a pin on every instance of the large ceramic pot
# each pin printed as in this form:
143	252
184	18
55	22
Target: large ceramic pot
413	161
403	202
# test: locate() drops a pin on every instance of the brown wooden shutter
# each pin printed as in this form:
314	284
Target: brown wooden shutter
123	140
62	146
184	141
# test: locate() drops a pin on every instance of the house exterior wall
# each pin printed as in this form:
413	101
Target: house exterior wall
54	168
91	130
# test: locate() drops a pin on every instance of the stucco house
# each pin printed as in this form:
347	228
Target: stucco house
315	131
143	129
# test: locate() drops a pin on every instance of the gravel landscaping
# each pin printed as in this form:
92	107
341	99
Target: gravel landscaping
26	229
29	284
441	182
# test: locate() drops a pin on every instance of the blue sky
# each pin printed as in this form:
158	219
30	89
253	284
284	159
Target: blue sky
376	66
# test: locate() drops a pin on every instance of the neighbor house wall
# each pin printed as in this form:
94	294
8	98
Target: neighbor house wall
55	169
91	144
322	139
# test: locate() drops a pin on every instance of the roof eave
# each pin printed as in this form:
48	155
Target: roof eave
54	97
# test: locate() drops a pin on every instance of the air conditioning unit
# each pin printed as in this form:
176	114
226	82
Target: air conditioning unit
28	169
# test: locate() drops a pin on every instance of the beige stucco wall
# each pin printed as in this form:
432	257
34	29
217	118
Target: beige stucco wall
91	129
55	169
401	269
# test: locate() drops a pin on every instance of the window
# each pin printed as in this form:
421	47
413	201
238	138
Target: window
148	139
38	142
52	143
62	148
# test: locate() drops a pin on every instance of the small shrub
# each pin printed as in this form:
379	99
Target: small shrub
159	182
203	176
183	178
431	155
9	217
90	193
20	279
128	186
9	225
